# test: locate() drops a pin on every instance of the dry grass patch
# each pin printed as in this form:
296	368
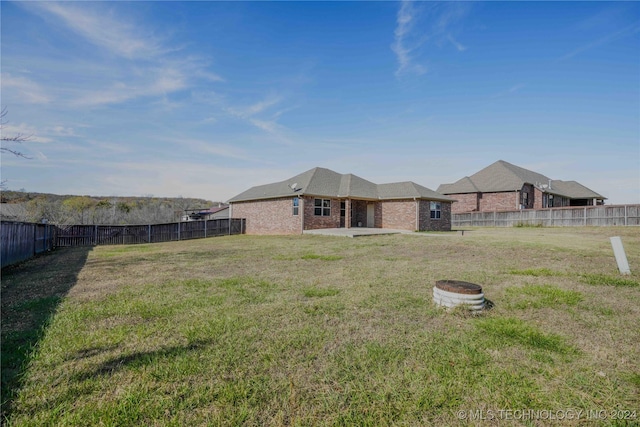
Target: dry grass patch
313	330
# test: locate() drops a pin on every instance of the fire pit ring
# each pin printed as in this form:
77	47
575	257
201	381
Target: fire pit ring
453	293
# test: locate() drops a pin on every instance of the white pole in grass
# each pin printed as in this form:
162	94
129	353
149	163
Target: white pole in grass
621	256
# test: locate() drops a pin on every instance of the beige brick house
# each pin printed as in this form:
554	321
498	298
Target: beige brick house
503	186
322	198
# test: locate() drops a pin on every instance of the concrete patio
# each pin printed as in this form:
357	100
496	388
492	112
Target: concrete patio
355	232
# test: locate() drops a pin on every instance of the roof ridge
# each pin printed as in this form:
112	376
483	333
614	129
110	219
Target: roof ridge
320	181
473	184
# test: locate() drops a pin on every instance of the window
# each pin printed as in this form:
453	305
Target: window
296	204
436	210
322	207
525	200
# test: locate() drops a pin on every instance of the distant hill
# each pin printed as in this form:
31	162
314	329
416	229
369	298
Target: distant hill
10	196
106	210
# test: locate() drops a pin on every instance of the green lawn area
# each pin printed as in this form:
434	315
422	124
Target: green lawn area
316	330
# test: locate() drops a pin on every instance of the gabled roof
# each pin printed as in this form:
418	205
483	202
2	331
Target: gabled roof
464	185
504	176
355	187
573	190
327	183
499	176
408	190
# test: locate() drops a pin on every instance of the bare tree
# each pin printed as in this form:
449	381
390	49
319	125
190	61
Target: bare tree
13	139
17	138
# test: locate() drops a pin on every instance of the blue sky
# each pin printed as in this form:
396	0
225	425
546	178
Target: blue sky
205	99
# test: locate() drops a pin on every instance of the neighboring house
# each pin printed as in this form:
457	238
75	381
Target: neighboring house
503	186
322	198
220	212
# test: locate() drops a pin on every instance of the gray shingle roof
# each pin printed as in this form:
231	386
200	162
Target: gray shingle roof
464	185
573	190
499	176
327	183
408	190
504	176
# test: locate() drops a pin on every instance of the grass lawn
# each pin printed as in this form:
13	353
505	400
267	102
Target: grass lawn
316	330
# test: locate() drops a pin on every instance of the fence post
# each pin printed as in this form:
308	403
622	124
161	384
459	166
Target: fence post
494	218
179	230
584	223
521	220
95	234
149	233
625	215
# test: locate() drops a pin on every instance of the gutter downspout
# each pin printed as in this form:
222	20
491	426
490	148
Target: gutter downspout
417	214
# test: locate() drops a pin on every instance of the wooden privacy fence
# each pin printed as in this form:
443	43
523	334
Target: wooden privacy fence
625	215
89	235
22	240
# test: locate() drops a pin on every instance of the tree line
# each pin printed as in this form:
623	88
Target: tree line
66	210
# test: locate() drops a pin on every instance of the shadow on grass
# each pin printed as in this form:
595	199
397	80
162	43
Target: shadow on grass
31	293
141	358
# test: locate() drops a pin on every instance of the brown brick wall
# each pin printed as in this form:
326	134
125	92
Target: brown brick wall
312	222
399	214
378	215
273	216
465	202
428	224
505	201
537	202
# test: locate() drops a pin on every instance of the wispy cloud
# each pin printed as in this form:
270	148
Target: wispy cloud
29	132
513	89
103	28
267	126
256	108
625	32
401	46
458	45
207	147
159	82
147	65
419	26
258	115
28	90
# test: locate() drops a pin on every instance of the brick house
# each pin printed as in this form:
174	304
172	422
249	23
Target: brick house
503	186
322	198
